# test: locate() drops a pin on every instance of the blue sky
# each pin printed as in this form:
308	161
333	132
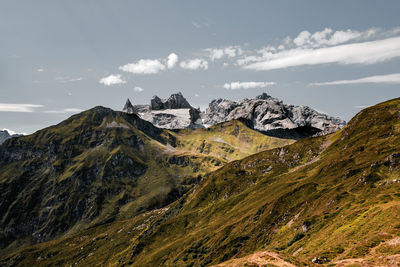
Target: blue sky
60	57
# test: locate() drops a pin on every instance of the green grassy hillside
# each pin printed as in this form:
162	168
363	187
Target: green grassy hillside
325	199
101	166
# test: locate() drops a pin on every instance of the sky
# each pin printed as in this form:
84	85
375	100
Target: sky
58	58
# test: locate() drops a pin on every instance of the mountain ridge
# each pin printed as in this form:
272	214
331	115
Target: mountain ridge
264	114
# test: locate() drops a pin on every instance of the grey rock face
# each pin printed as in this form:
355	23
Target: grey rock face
4	135
172	113
128	108
270	114
175	101
263	113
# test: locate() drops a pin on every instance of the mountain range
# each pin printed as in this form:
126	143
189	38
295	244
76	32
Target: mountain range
110	188
263	113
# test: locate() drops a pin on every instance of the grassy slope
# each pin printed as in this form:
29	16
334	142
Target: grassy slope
101	166
229	141
330	197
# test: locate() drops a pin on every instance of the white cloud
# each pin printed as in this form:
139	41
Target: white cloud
144	66
172	60
215	53
328	37
357	53
138	89
112	80
18	107
218	53
11	132
303	38
64	111
247	85
389	78
40	69
194	64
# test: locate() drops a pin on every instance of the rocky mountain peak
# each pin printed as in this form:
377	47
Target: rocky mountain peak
175	101
5	134
263	96
128	108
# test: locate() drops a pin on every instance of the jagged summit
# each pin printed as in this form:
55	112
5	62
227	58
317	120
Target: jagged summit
174	112
264	113
271	115
263	96
128	108
175	101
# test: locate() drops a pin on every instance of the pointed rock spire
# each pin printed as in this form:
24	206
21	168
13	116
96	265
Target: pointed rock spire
128	108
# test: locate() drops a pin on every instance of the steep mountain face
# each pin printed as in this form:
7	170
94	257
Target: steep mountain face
323	200
100	166
128	108
4	135
264	113
270	115
175	101
172	113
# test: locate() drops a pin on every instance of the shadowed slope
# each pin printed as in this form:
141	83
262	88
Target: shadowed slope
100	166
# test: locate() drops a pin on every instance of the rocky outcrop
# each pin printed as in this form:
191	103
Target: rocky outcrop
175	101
128	108
270	115
263	113
4	135
172	113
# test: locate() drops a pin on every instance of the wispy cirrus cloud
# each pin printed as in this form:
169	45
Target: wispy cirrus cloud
247	85
67	79
349	46
64	111
356	53
112	80
8	107
387	78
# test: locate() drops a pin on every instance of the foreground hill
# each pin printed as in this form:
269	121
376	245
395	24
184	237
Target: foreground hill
328	199
100	166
